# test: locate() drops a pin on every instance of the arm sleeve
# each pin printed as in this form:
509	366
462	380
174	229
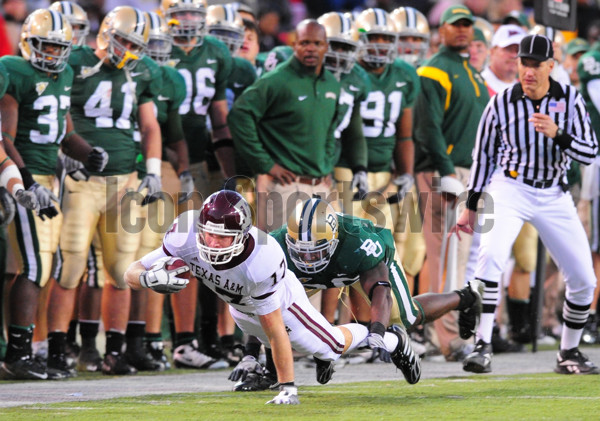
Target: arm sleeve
484	152
581	143
149	259
429	107
243	121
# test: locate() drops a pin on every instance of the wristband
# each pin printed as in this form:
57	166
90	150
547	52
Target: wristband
223	143
28	180
153	166
68	135
472	200
377	328
9	137
359	168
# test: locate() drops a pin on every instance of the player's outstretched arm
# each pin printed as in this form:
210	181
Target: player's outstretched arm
375	282
281	347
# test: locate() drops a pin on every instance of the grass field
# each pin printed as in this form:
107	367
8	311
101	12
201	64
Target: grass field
530	397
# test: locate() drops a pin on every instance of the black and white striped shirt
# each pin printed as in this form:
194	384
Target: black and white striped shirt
506	139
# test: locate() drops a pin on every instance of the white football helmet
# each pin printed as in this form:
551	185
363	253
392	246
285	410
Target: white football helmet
77	17
160	42
186	20
413	34
343	42
376	23
312	235
44	30
124	24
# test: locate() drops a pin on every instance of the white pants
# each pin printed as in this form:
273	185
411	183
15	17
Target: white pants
309	331
552	212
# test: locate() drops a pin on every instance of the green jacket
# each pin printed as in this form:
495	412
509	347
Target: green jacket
287	117
447	112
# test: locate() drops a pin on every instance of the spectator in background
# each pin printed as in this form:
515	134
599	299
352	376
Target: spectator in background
575	49
5	42
478	50
268	22
15	12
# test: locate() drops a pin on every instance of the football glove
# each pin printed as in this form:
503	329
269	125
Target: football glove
288	395
377	344
404	183
187	186
153	184
44	199
243	368
160	279
74	168
97	159
360	182
7	213
27	199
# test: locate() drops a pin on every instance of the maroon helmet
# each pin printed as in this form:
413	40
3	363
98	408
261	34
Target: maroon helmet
225	213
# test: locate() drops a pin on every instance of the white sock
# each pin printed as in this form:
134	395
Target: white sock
570	337
359	334
391	341
486	325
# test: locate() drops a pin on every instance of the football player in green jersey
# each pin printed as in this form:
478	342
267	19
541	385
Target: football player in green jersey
226	24
113	88
386	114
146	306
326	249
77	17
331	250
205	64
35	124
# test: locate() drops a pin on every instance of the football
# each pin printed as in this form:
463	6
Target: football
176	263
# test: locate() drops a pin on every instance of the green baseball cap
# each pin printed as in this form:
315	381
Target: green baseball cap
516	17
577	45
479	36
456	13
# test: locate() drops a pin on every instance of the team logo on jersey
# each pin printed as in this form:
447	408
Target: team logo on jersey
371	248
40	87
331	95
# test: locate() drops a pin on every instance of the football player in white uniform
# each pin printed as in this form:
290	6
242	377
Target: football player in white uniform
247	268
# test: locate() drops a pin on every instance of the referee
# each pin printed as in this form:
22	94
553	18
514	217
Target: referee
527	137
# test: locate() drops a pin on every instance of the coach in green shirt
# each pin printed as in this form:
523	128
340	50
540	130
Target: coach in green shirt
452	98
283	126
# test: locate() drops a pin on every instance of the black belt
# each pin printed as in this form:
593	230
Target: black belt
538	184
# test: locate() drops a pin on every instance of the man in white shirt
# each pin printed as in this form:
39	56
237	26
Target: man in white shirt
502	70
